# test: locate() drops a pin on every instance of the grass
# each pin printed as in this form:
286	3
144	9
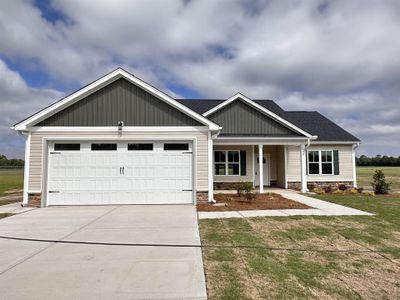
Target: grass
11	180
5	215
259	272
364	176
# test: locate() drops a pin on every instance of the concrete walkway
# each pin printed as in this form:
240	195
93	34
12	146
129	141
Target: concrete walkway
319	208
49	270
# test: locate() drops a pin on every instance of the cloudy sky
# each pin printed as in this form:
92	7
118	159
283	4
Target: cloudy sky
341	58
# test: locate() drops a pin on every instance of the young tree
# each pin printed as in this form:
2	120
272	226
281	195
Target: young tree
379	183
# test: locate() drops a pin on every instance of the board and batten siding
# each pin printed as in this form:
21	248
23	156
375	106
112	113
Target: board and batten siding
345	164
121	100
37	153
238	119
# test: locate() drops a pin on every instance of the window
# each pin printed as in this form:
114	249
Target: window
320	162
67	147
313	162
104	147
140	147
227	162
176	146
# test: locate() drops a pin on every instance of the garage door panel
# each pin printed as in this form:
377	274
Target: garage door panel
120	177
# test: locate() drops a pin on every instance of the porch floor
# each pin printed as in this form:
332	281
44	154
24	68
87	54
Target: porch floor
319	208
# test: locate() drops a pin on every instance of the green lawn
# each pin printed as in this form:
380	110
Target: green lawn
11	180
259	273
364	176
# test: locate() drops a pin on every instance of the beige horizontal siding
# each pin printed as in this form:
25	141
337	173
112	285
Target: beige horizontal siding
293	163
37	152
345	164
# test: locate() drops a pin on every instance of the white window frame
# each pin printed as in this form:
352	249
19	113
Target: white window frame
227	162
320	162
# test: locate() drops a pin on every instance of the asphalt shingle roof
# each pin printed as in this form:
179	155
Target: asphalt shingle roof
310	121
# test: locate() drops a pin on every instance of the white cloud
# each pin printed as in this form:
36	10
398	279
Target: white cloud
338	57
18	101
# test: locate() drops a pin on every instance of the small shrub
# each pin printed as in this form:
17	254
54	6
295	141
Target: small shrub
354	191
338	192
342	187
360	190
379	183
239	189
370	193
327	189
244	188
248	189
319	191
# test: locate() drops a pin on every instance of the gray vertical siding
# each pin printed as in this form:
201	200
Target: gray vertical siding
120	101
238	118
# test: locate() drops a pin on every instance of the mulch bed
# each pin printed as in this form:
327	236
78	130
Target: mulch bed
261	201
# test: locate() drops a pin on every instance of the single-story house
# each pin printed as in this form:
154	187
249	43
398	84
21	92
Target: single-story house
120	140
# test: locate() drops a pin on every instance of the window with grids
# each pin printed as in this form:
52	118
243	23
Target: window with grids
227	162
320	162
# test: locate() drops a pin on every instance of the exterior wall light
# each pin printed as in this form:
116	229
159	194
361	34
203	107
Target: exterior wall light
120	125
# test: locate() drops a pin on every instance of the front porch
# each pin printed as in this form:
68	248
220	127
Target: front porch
234	162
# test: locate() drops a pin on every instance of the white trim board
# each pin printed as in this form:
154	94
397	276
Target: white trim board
102	82
124	129
239	96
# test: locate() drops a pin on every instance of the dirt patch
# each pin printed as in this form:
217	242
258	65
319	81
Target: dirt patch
232	202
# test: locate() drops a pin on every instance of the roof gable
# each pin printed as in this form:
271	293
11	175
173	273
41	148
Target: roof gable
239	119
120	101
261	109
97	85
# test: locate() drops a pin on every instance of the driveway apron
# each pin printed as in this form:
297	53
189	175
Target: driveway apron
102	262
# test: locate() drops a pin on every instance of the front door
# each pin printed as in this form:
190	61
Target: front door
266	170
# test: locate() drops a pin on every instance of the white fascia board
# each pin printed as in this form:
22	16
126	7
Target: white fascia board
124	129
103	81
333	143
260	140
259	108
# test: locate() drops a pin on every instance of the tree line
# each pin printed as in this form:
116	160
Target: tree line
14	162
379	160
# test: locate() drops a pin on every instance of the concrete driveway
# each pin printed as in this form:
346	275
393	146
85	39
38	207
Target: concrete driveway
43	270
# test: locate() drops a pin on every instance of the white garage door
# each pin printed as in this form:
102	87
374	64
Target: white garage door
99	173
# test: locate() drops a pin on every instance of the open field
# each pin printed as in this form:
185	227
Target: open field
362	260
11	180
364	176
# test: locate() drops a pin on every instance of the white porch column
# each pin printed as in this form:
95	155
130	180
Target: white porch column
26	169
286	163
353	161
261	165
303	168
210	169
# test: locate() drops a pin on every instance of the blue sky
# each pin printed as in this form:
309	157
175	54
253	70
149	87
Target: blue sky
337	57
